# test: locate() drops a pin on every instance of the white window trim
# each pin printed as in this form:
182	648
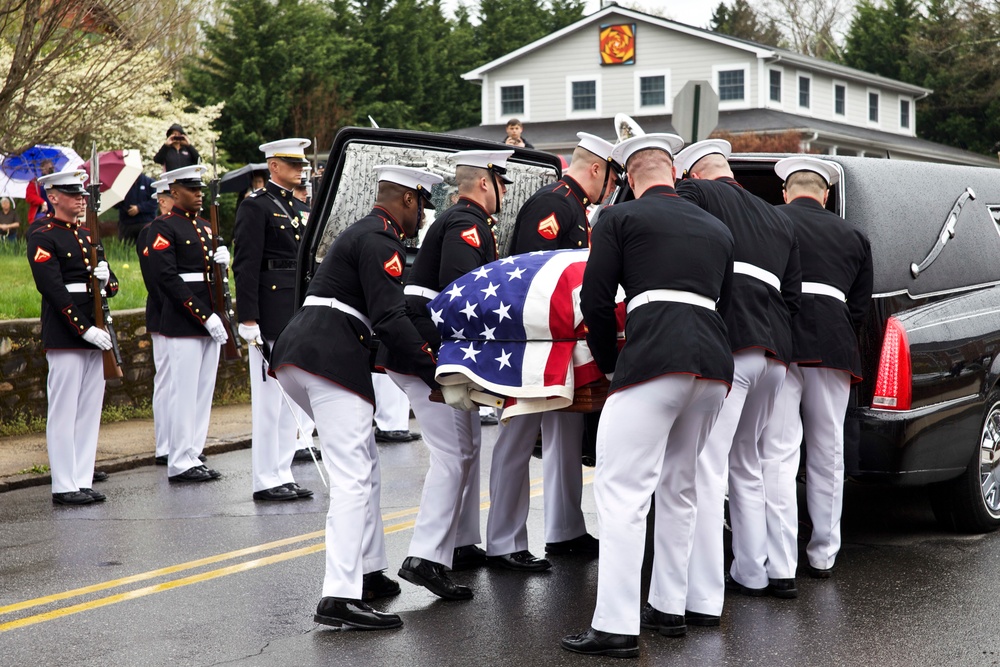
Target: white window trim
868	103
733	104
768	102
589	113
808	111
911	130
501	118
833	97
668	100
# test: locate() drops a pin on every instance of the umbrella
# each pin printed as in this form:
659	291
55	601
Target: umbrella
238	180
17	170
119	169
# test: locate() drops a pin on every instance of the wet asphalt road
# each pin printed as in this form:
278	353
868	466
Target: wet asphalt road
167	575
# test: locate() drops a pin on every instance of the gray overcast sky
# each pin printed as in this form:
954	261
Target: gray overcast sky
693	12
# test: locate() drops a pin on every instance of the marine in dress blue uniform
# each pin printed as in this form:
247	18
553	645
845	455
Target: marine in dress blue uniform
59	255
322	361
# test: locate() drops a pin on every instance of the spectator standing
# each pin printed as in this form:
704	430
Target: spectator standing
8	220
137	209
176	151
38	204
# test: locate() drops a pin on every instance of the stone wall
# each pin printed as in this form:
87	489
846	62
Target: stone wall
23	368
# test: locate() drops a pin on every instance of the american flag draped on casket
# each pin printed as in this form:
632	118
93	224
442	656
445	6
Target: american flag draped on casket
514	328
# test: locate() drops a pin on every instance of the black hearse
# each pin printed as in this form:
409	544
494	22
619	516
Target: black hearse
928	410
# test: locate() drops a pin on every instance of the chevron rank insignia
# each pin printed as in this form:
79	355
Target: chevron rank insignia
394	267
549	227
471	236
42	255
160	243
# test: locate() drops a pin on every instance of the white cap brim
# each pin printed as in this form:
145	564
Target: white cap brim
789	165
664	141
688	157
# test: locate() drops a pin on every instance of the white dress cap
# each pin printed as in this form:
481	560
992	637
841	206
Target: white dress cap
160	187
189	177
289	150
495	161
596	145
410	177
789	165
664	141
70	182
690	155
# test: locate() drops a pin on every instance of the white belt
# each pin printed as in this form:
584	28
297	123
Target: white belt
76	288
758	273
337	304
824	289
192	277
417	290
677	296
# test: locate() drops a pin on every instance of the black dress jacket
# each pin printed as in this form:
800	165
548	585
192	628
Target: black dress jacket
154	301
179	245
554	218
362	270
659	241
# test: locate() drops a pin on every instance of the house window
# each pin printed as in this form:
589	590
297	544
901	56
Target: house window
804	85
584	96
904	114
512	101
652	91
775	85
873	107
840	100
731	85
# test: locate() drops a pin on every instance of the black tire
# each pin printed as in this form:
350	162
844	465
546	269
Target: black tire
971	502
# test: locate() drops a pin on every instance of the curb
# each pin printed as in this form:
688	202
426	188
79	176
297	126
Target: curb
119	464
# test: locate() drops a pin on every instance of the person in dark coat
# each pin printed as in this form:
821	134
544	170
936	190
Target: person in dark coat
137	209
836	295
176	151
321	359
675	263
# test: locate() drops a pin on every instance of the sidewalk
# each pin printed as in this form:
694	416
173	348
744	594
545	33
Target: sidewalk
121	446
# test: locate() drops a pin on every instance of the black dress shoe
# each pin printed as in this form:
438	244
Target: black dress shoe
522	561
299	491
468	557
584	545
276	493
214	473
701	620
393	436
432	576
160	460
72	498
377	585
595	642
202	458
303	454
819	573
195	474
96	495
782	588
737	587
100	476
668	625
338	612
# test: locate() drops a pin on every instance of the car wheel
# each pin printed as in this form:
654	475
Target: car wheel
971	503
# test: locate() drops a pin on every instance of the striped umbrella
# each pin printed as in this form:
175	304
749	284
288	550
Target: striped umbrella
119	169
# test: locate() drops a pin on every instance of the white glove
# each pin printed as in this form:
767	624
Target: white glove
98	337
217	329
221	256
251	334
102	273
457	396
610	376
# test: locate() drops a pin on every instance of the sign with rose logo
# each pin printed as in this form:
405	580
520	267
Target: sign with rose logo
618	44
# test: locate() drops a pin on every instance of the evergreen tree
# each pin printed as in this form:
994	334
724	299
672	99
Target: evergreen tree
879	38
742	21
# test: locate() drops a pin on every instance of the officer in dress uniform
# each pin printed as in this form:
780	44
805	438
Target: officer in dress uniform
554	218
836	295
180	258
322	361
154	309
266	241
460	240
59	255
675	263
766	284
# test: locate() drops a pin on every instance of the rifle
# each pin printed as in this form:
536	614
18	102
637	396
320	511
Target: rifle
222	301
102	313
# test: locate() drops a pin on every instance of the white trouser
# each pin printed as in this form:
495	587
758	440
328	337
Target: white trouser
194	363
355	543
813	402
733	441
76	395
161	380
275	433
392	410
648	441
449	504
510	486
